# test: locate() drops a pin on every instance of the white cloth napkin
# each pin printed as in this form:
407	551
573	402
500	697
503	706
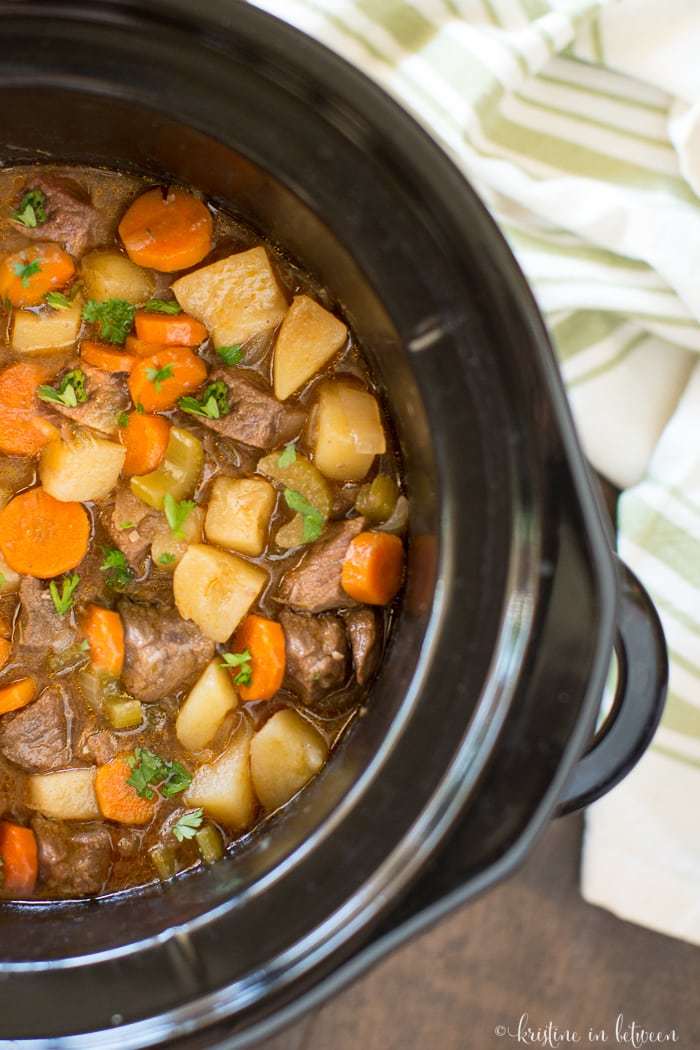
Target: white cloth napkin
579	123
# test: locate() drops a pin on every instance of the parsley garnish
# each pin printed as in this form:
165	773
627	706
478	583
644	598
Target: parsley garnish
213	403
113	317
157	376
70	391
64	601
242	660
25	271
148	769
32	209
122	419
124	525
116	568
162	306
288	455
84	645
3	579
314	521
167	558
188	824
57	301
176	514
232	355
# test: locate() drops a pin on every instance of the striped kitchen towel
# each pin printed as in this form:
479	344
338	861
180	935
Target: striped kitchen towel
541	103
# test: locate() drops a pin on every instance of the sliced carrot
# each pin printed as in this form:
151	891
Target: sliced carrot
20	859
105	634
145	439
42	536
23	432
5	650
27	275
141	349
178	330
373	568
117	799
105	357
264	640
167	231
156	382
16	695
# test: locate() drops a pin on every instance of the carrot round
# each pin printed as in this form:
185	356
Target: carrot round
139	348
17	694
117	799
27	275
156	382
23	432
105	357
5	650
180	330
42	536
20	858
373	568
264	640
145	439
167	231
105	634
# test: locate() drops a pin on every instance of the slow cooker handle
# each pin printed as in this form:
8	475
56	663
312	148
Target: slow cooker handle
639	699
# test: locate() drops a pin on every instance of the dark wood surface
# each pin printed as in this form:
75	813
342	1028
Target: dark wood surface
530	946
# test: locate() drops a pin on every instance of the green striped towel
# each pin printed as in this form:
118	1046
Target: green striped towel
579	123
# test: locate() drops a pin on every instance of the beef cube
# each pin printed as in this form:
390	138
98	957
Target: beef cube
74	860
314	584
365	637
107	397
71	218
37	737
99	746
317	653
40	626
163	652
256	418
132	525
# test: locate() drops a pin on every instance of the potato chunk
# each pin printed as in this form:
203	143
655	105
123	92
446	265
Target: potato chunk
215	589
346	431
284	754
208	703
307	340
224	788
239	512
236	298
178	474
107	274
82	467
45	332
66	795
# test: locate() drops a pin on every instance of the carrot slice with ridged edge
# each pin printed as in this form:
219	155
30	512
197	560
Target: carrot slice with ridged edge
42	536
167	231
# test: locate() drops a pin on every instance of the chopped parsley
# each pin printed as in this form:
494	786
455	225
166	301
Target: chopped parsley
32	209
116	568
122	419
63	601
167	558
288	455
213	403
70	391
124	525
241	660
113	317
157	376
231	355
149	770
57	301
84	645
25	271
3	579
177	513
162	306
188	824
314	521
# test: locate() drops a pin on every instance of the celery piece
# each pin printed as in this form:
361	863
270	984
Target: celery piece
210	843
178	474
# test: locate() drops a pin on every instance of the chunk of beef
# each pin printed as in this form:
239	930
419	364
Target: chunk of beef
99	746
38	738
40	627
317	653
71	218
163	652
74	860
12	790
107	397
314	584
256	418
365	637
143	523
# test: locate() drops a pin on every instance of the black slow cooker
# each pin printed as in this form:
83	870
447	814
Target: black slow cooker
479	728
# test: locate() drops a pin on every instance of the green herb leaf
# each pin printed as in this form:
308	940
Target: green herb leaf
176	514
32	209
231	355
63	600
162	306
167	558
288	456
314	521
118	573
188	824
124	525
138	407
3	579
84	645
243	661
150	769
113	317
157	376
122	419
25	271
213	403
57	301
71	390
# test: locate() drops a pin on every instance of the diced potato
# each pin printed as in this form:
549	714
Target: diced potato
238	514
307	340
346	431
284	755
202	713
178	474
215	589
167	549
50	330
224	788
66	795
301	476
9	579
236	298
107	274
82	467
